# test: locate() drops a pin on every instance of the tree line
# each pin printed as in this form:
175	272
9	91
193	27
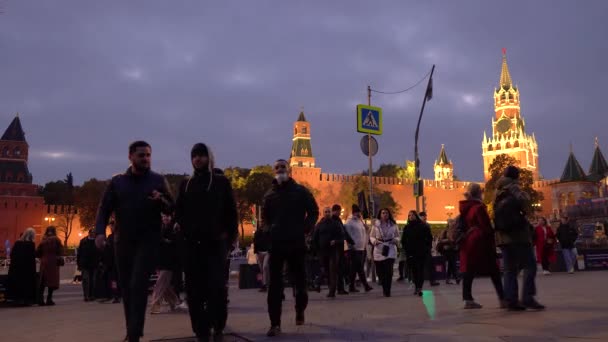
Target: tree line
69	201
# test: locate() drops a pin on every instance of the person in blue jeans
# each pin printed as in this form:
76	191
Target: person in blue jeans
567	235
514	236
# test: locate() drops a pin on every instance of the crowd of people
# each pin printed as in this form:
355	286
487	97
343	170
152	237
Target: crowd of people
193	235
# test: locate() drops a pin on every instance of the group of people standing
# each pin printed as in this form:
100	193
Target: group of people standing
26	286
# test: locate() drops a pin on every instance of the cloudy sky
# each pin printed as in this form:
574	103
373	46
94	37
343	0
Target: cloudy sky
88	77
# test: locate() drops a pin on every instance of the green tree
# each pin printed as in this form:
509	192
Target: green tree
61	194
88	197
258	182
238	181
526	180
348	195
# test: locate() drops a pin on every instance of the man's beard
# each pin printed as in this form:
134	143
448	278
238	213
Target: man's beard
141	168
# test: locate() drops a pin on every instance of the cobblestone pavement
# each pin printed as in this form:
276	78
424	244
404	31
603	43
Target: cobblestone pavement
577	311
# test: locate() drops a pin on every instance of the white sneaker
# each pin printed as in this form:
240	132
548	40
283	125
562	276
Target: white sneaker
546	273
183	306
571	271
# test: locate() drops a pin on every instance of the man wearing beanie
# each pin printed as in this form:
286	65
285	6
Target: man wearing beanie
356	229
136	198
514	236
290	211
207	217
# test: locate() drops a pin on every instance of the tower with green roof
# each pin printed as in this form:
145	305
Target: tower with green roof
301	149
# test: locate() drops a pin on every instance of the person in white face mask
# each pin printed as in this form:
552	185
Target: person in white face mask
290	211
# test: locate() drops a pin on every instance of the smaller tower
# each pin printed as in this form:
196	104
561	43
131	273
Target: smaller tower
301	149
444	169
599	167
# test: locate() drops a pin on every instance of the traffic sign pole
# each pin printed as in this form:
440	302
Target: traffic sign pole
369	145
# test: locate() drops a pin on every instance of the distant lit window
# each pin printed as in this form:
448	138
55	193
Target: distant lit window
17	152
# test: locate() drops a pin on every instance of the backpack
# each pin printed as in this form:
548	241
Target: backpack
508	215
459	231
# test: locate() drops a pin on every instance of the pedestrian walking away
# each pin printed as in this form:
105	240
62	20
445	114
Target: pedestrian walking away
22	270
163	289
206	215
87	261
514	236
478	248
49	251
328	240
136	198
290	210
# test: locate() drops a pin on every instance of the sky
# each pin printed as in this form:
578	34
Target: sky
89	77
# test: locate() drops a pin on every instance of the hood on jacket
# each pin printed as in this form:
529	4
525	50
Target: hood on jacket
201	148
466	205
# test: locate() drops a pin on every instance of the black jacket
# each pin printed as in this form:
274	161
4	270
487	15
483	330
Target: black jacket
290	210
327	230
566	235
417	239
127	196
261	240
88	256
207	213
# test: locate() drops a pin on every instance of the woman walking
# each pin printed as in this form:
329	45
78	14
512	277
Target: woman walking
416	241
545	245
163	289
385	237
22	270
449	250
478	248
49	251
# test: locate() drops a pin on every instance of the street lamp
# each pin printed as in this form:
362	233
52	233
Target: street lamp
449	210
49	220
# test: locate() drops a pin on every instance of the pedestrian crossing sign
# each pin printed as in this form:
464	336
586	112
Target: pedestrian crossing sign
369	119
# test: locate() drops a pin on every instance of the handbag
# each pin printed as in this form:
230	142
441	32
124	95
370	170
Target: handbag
385	248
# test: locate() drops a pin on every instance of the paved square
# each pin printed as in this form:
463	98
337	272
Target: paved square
577	311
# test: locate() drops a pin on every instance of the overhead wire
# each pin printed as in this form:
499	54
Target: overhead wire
404	90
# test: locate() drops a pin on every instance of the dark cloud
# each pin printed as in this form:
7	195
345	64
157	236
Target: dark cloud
89	77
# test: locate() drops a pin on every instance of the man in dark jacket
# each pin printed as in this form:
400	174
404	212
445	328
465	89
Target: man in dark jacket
343	262
567	235
328	241
514	236
137	198
87	260
430	267
206	215
290	211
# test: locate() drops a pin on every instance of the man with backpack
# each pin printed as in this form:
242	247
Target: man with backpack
514	236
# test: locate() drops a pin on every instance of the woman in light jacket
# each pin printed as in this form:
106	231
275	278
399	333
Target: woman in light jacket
385	237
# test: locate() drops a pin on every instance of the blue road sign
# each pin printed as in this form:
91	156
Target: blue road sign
369	119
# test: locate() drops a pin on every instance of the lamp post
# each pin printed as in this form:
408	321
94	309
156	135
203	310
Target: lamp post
449	210
49	220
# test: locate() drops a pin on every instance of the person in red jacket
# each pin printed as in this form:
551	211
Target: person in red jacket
478	248
545	245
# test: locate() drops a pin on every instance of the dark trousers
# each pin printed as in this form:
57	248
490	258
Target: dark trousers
356	268
343	267
402	269
330	268
517	258
430	268
206	291
545	262
295	259
89	281
452	271
417	265
135	260
41	287
467	285
384	269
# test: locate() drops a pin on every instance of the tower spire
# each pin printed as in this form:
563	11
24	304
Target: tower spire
505	76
